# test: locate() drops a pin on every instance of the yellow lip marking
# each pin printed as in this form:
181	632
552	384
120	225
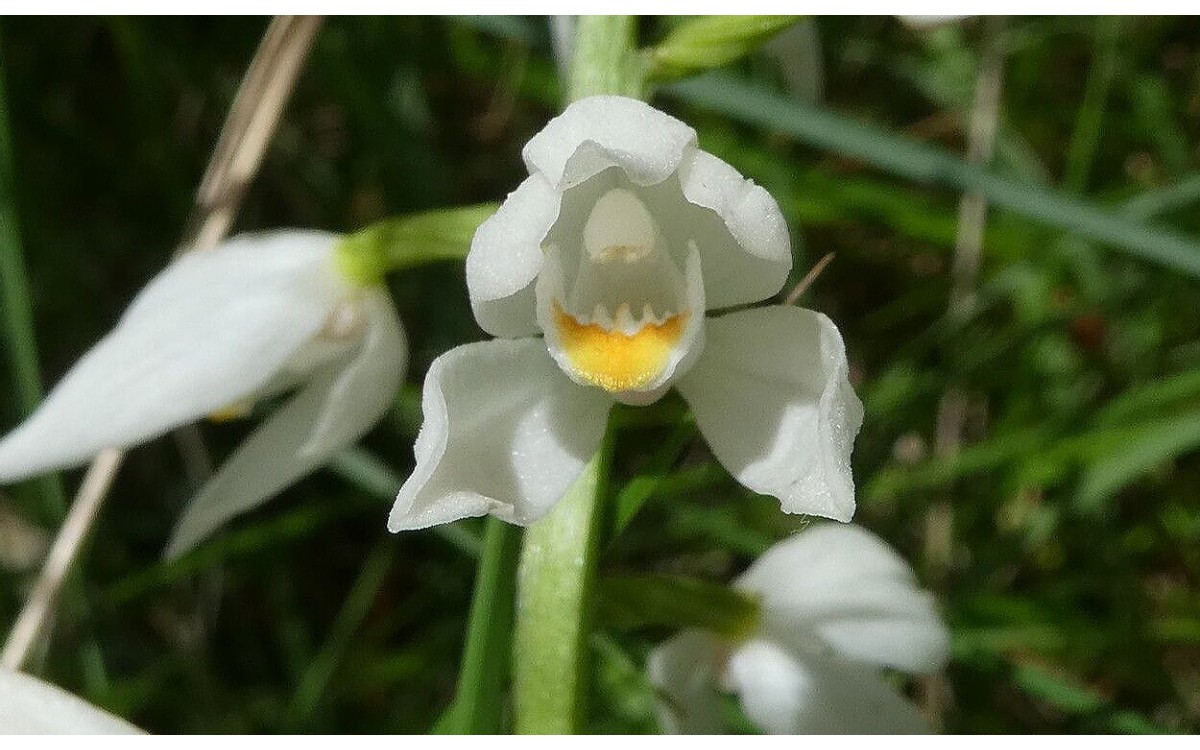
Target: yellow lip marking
612	359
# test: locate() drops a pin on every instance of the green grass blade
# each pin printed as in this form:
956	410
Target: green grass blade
1145	449
16	307
1065	692
354	610
642	487
1181	194
1085	138
912	160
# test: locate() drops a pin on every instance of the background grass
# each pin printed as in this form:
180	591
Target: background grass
1073	584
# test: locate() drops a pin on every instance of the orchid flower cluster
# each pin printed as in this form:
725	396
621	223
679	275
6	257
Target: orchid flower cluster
622	267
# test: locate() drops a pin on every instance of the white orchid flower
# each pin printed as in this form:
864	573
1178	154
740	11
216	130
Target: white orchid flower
622	239
31	706
836	605
213	333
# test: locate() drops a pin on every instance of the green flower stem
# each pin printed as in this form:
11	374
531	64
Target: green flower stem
606	60
558	560
401	242
554	607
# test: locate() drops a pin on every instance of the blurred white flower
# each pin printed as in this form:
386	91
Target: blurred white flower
836	605
620	241
30	706
213	333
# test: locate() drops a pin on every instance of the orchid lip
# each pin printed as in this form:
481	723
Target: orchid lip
620	354
622	321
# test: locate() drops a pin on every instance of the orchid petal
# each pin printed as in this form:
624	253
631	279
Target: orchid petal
31	706
784	692
336	407
599	132
505	432
848	587
366	388
685	671
505	257
208	331
749	261
770	394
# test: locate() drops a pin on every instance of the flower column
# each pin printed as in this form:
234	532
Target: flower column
557	565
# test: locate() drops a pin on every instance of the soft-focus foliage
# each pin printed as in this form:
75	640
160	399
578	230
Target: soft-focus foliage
1070	586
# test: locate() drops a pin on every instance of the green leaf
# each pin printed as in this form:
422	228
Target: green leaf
913	160
710	42
401	242
631	602
479	706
